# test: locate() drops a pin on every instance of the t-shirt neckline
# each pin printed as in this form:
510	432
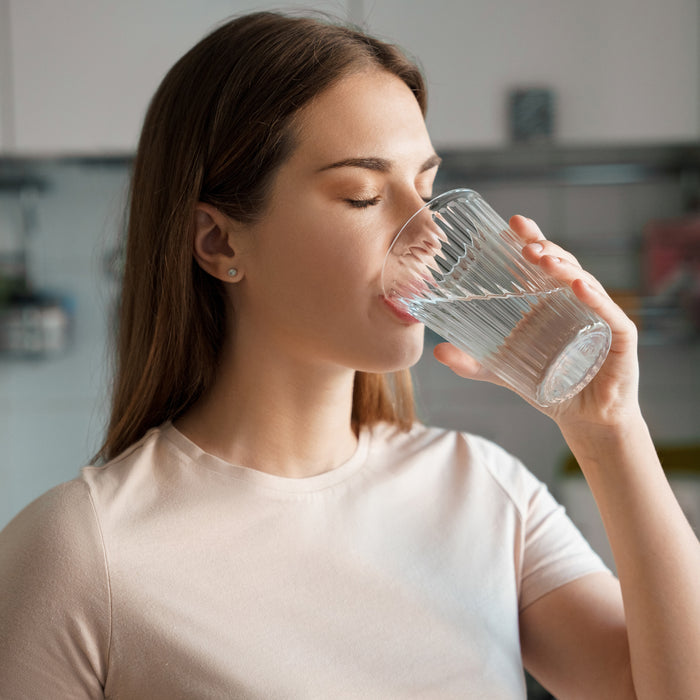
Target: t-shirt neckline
266	480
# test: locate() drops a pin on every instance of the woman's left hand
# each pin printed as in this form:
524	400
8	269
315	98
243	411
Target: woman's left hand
611	397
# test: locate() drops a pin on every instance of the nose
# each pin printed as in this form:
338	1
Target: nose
419	236
420	240
412	217
411	204
414	254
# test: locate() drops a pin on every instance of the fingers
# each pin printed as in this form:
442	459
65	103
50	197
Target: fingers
526	228
461	364
552	258
557	262
562	265
595	297
536	245
565	268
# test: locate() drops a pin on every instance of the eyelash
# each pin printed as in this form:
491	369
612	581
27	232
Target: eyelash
364	203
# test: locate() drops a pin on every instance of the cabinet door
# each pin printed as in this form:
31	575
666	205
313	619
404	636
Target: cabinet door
6	131
5	119
622	70
85	70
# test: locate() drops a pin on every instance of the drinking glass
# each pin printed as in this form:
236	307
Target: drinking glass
457	267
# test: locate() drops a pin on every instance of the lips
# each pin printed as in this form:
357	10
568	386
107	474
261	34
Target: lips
399	311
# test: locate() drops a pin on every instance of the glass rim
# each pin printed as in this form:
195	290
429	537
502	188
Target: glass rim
434	203
447	196
438	201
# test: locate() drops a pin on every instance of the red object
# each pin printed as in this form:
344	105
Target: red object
672	264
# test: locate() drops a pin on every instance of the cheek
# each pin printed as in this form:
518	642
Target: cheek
322	257
302	281
319	275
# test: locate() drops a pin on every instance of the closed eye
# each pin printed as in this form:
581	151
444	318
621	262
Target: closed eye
363	203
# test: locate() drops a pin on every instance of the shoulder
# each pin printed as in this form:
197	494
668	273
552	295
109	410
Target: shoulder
425	438
135	475
53	529
54	597
461	455
55	539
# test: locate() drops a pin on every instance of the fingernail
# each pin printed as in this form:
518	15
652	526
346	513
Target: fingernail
536	247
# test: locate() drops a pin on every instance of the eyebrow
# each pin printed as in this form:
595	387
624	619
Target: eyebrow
379	164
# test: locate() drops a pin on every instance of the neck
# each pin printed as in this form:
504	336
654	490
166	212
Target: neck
279	416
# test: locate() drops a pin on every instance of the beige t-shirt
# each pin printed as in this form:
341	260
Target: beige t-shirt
169	573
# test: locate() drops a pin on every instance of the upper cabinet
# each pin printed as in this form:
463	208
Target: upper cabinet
76	76
620	70
5	77
80	73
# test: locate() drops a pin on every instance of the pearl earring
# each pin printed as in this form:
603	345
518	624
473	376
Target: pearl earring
232	272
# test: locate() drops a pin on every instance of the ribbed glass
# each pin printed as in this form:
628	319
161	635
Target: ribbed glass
457	267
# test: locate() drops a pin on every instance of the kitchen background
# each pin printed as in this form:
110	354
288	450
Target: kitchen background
583	116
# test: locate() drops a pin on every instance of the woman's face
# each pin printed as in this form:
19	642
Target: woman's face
363	163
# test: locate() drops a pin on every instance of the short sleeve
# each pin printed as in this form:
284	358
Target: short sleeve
54	600
550	551
555	552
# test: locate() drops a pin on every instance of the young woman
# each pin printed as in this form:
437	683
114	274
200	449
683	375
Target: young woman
269	521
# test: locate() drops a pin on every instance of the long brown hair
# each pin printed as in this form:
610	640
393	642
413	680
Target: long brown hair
216	130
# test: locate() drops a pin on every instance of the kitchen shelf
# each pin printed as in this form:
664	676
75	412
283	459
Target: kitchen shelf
638	188
594	164
19	173
573	165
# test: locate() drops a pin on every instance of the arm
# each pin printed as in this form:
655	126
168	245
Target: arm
574	640
656	552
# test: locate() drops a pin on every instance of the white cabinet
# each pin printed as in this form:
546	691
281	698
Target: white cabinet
4	120
622	70
76	75
83	71
5	77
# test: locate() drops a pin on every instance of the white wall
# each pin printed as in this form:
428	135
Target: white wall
623	70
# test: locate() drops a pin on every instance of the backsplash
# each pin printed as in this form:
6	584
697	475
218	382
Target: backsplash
53	410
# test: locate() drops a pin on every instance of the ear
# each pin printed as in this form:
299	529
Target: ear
214	250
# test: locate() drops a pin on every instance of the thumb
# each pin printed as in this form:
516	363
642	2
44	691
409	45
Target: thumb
462	364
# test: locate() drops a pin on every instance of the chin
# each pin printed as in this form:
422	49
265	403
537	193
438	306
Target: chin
393	358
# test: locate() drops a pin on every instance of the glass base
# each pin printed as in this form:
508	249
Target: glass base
575	365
